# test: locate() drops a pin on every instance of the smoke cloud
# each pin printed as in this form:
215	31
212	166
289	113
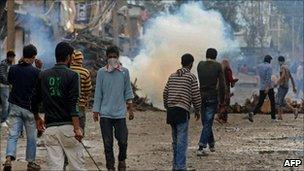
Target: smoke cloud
190	30
40	33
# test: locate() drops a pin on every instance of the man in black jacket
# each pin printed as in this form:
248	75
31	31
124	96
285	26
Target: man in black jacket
22	77
58	89
4	85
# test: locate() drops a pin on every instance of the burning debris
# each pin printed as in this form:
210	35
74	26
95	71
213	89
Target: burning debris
251	102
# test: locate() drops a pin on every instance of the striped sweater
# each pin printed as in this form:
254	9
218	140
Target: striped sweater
85	79
182	90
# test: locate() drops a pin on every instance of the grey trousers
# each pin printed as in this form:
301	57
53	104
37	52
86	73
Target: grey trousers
60	142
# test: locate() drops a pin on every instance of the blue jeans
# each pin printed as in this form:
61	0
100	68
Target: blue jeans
4	94
16	119
180	145
209	108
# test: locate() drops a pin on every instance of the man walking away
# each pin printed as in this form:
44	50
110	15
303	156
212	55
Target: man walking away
4	85
212	86
283	83
85	86
113	97
266	88
180	92
58	89
22	77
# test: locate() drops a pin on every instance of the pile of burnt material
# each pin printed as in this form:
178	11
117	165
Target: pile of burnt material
266	108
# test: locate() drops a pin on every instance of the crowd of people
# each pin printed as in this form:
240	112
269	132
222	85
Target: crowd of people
65	90
213	96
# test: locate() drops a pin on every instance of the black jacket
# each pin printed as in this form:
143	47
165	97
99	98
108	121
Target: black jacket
23	78
58	89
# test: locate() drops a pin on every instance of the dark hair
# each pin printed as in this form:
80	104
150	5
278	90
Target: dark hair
29	51
281	59
63	51
10	53
211	53
187	59
112	49
267	58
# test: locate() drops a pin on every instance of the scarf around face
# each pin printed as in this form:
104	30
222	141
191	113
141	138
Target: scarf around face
113	64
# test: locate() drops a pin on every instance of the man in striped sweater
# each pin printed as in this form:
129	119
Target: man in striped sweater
85	85
180	92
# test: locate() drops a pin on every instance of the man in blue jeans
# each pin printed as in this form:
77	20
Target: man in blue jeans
180	92
112	100
23	78
4	85
212	86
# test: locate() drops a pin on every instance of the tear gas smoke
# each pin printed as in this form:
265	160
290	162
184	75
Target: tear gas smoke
190	30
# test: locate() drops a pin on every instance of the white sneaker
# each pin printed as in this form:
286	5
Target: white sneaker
274	120
201	152
4	125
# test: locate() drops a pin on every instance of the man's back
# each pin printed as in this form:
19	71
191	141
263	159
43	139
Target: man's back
285	73
182	90
23	78
59	91
264	71
210	73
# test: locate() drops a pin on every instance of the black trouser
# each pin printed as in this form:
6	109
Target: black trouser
121	135
262	97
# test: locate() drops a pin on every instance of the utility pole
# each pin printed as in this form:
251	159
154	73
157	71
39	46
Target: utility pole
115	23
10	43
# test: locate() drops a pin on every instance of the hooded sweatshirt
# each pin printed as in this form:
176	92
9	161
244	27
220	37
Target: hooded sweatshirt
182	90
85	79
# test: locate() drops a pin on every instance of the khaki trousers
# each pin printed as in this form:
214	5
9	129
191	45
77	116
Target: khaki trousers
60	141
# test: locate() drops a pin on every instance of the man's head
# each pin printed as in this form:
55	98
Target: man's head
112	52
63	53
10	56
187	61
29	53
281	60
267	59
211	53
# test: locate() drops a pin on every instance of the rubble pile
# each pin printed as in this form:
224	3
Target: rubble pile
265	109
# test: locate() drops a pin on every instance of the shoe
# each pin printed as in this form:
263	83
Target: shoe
201	152
4	125
32	166
7	166
122	166
250	117
212	149
296	113
274	120
280	117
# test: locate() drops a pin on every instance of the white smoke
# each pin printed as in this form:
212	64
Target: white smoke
169	36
